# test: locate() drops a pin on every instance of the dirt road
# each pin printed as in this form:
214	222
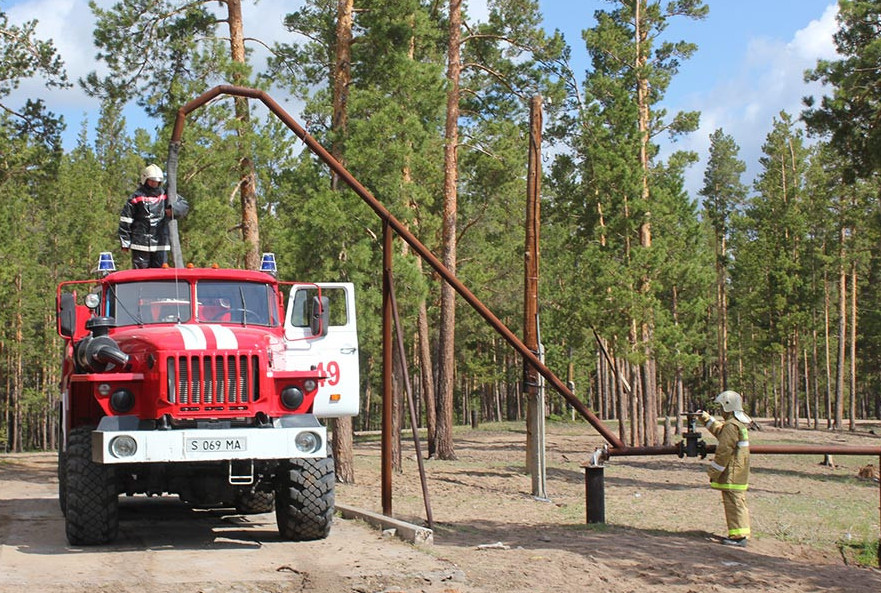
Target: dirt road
490	535
165	546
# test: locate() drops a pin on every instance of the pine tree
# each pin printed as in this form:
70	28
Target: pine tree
615	198
770	262
850	114
30	142
723	193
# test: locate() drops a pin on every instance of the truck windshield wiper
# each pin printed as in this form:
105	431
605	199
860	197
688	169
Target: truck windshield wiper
244	306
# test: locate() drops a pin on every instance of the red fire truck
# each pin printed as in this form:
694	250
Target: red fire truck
202	382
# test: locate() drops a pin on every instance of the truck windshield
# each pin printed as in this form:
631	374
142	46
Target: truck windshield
142	303
241	303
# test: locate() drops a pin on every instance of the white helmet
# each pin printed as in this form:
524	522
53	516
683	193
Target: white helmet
730	401
151	172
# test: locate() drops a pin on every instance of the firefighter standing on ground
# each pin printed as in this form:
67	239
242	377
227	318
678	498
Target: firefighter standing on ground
729	470
143	222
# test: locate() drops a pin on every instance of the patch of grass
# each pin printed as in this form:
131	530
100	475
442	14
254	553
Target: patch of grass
863	553
849	518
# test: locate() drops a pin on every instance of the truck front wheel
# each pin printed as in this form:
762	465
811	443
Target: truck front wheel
92	500
304	502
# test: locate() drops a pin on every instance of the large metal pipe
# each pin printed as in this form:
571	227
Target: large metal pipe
757	449
405	234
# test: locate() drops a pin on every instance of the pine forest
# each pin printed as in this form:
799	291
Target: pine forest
651	300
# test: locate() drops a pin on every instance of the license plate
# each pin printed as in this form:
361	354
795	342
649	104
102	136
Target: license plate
218	445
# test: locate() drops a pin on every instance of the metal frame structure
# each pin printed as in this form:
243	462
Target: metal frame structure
391	224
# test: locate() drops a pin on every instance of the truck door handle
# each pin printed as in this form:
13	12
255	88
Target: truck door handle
348	350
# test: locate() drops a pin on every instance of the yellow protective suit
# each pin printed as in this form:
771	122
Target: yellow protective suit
729	471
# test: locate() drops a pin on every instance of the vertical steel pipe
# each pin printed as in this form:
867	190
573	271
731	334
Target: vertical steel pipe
595	493
386	467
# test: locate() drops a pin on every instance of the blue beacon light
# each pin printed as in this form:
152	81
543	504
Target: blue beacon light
105	263
268	264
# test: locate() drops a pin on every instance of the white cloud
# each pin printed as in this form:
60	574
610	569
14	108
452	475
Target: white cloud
815	41
69	24
770	79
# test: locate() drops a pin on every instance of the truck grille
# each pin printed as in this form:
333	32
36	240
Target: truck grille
207	382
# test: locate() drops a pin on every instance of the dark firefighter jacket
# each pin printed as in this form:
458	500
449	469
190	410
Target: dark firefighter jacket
729	469
143	221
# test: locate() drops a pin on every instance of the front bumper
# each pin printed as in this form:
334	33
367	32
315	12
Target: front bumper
207	444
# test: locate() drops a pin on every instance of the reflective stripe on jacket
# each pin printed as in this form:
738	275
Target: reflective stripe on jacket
729	469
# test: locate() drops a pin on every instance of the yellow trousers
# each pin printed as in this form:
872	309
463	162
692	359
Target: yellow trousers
736	513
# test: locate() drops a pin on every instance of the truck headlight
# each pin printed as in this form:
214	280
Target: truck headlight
123	446
307	442
122	400
292	397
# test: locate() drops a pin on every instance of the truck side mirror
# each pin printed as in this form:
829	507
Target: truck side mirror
320	318
67	315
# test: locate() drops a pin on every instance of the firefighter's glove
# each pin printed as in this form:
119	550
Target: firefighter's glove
705	417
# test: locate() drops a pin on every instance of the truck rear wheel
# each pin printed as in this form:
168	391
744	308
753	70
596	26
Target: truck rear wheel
92	501
304	502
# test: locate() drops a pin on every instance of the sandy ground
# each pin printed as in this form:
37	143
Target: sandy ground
490	534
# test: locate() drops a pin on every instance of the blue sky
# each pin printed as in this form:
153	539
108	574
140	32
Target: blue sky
749	66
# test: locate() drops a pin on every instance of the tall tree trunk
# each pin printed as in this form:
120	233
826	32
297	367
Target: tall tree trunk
342	78
842	331
18	368
676	392
722	307
815	373
853	345
635	408
368	395
247	186
447	358
622	403
423	336
807	389
792	382
7	400
647	329
827	347
343	454
427	375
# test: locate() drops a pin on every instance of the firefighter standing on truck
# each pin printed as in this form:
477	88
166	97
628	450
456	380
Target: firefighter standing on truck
729	470
143	222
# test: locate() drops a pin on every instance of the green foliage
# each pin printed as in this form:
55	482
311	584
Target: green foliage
770	267
850	114
806	219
